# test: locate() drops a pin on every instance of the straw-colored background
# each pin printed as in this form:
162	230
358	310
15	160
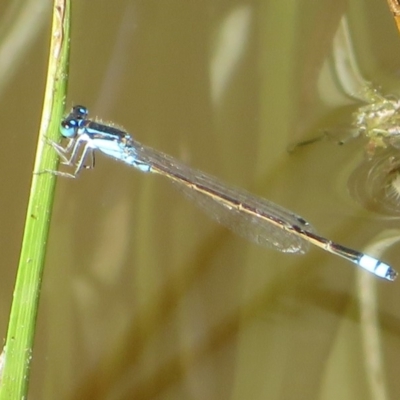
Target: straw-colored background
143	296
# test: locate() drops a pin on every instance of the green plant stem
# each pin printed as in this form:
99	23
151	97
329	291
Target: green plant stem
17	352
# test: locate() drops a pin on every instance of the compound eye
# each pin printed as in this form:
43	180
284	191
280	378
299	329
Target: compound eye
79	112
69	128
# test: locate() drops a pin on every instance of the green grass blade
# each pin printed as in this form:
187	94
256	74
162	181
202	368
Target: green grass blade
17	353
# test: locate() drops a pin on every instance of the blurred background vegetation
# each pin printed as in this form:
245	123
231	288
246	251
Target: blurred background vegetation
144	297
